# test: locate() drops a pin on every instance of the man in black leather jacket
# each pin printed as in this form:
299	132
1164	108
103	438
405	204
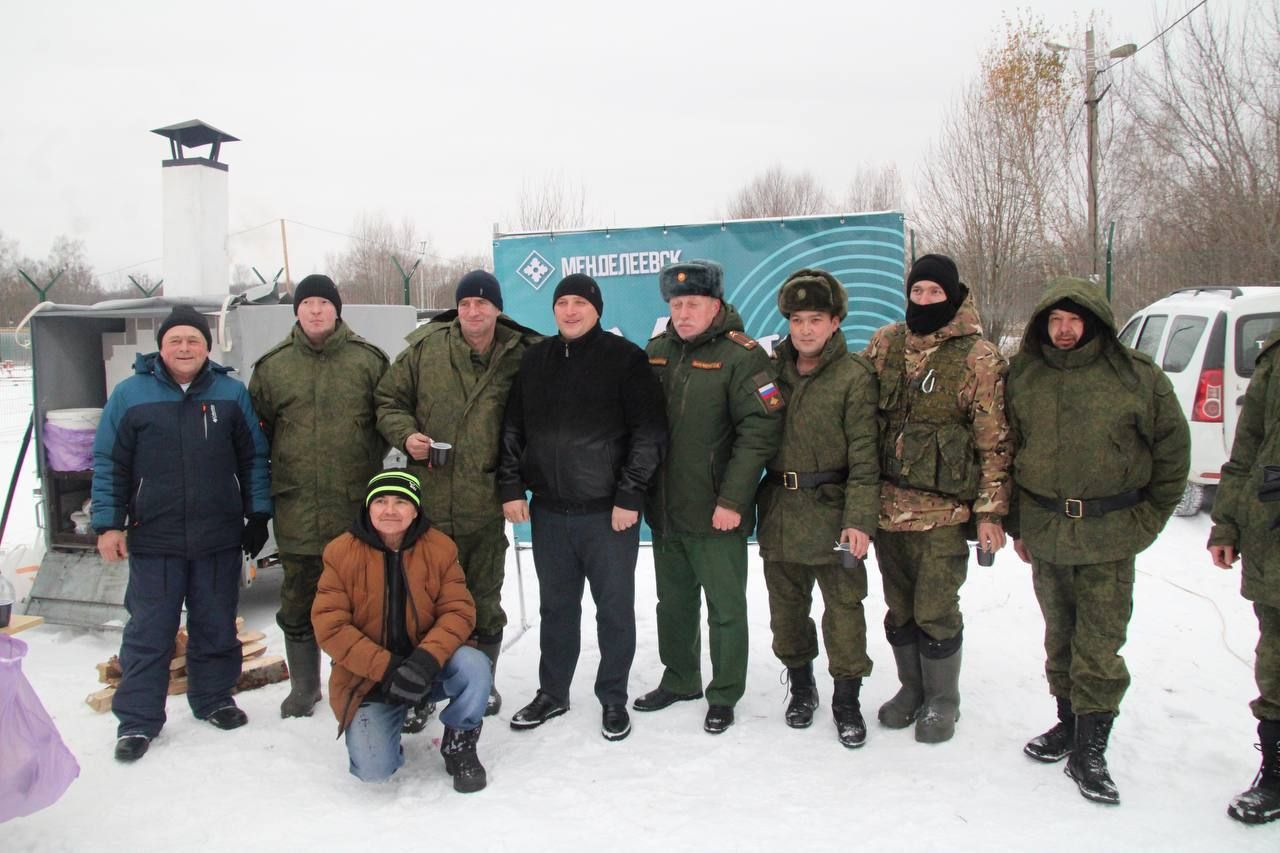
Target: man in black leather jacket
585	430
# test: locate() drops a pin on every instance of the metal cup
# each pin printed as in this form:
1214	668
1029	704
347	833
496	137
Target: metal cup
6	610
439	455
985	557
847	559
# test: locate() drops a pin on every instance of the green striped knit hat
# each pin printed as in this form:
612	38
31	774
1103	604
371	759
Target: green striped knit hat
396	481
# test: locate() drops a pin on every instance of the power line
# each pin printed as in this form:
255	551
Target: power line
1160	34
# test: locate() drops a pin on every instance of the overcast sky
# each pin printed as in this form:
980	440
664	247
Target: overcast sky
439	112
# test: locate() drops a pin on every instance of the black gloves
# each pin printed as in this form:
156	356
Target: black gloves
408	680
254	535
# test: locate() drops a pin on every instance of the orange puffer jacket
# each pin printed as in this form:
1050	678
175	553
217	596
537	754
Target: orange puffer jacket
348	611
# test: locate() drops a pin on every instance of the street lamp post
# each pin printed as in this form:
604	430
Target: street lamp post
1091	101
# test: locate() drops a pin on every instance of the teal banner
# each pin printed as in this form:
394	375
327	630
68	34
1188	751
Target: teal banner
864	251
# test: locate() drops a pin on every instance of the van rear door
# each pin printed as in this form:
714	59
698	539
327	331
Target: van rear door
1251	330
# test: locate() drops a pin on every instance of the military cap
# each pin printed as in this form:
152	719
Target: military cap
693	278
813	290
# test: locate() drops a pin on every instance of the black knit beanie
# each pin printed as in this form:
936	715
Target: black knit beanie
479	283
942	271
578	284
320	286
397	482
185	315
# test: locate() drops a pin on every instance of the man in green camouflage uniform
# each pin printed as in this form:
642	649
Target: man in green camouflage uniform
822	487
450	385
314	396
1246	516
1101	453
944	460
723	410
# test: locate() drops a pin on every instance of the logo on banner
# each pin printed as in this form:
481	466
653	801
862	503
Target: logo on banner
535	269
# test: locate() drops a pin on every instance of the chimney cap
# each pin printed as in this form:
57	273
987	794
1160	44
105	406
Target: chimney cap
192	134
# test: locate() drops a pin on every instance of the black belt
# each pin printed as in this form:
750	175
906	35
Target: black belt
792	480
1087	508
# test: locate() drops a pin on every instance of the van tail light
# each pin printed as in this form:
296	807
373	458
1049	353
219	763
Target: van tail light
1208	405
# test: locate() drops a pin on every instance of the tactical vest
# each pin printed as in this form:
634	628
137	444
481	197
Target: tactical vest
938	453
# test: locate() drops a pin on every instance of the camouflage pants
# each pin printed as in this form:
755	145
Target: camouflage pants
1086	618
297	594
922	573
483	557
844	625
1266	666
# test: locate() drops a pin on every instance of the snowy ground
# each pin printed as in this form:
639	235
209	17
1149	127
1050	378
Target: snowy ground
1181	749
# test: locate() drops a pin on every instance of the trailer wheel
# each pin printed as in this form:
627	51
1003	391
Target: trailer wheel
1192	499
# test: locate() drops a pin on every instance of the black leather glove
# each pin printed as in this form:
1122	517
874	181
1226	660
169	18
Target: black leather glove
254	535
410	682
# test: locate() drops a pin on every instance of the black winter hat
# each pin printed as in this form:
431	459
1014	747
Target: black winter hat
185	315
813	290
694	278
319	286
578	284
942	271
394	481
479	283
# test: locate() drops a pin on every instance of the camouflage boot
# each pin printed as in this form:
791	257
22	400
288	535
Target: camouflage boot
1261	803
491	645
804	696
941	678
851	729
1055	744
900	711
1088	762
304	678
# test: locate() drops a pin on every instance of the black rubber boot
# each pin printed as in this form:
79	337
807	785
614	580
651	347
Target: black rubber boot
461	761
491	645
900	711
418	717
1088	761
1055	744
847	710
940	676
304	678
1261	803
804	696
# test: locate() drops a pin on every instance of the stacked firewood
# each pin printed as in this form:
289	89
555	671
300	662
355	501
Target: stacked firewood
258	670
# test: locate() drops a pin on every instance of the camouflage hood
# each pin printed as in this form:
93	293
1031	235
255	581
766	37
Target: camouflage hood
1084	293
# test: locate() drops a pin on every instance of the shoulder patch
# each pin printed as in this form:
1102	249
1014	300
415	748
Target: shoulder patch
658	360
767	391
285	344
742	339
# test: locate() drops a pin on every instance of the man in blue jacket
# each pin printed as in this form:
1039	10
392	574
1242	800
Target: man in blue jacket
179	463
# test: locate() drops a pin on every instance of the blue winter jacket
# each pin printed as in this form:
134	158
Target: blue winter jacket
179	471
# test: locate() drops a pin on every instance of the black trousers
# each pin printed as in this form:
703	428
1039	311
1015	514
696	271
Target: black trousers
568	552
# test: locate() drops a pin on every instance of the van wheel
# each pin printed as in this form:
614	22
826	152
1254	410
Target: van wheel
1192	499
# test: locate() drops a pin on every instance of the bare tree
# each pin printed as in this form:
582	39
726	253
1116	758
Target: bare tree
875	188
367	271
552	204
776	193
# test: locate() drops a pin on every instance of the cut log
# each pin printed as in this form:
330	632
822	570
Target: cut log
100	700
261	672
247	651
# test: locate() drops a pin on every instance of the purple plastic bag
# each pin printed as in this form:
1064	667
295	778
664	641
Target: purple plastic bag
35	765
68	449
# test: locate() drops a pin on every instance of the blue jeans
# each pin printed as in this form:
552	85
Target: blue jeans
373	738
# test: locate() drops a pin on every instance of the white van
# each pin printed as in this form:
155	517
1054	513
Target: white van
1207	340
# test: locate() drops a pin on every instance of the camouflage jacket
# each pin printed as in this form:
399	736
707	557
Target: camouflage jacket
1093	422
434	387
829	425
978	394
316	409
1239	518
723	413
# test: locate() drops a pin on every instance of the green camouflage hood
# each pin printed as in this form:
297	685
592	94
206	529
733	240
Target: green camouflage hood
1085	294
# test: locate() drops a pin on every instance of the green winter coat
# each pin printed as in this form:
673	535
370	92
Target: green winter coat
317	411
1239	518
724	413
1092	422
829	424
434	388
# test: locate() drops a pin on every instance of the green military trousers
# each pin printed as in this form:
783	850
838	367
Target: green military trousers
844	624
1266	663
297	594
1086	618
923	571
716	565
483	557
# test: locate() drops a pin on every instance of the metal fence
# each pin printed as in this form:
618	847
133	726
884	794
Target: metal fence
12	355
